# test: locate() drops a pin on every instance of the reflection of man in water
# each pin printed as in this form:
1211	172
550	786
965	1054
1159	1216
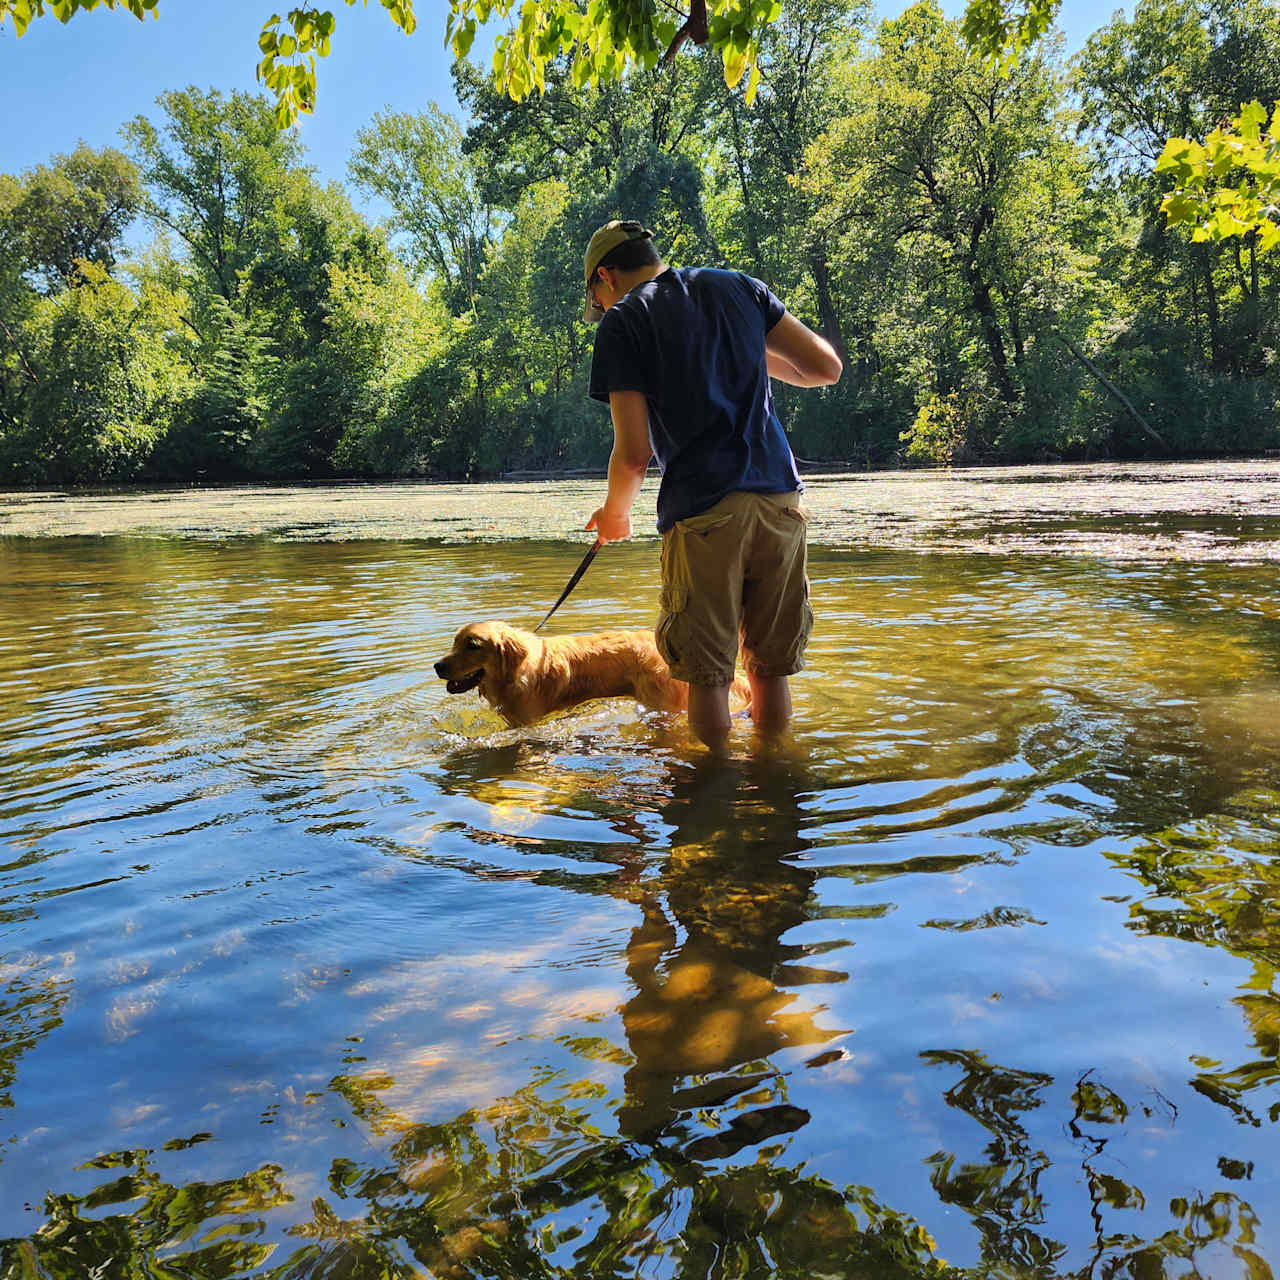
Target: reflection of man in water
713	1000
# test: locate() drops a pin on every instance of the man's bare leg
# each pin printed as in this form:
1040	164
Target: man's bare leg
770	703
709	714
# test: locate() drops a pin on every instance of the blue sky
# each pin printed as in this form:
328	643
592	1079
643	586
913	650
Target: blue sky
59	84
84	80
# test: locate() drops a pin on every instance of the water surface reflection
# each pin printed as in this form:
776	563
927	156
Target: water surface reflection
309	971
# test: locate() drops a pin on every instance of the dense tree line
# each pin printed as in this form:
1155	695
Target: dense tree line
983	244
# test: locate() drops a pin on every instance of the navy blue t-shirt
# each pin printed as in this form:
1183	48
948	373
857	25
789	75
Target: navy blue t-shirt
692	340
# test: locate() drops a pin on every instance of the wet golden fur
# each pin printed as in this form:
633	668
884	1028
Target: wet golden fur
525	677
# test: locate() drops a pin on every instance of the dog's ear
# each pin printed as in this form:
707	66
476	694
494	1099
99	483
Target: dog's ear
512	651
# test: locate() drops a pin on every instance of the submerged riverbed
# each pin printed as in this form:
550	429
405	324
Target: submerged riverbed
309	970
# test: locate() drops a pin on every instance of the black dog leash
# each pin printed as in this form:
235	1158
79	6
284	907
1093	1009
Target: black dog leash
573	582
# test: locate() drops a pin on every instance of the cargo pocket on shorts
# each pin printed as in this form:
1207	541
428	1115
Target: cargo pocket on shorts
794	523
806	627
672	604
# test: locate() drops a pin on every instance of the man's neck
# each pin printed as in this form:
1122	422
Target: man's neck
640	276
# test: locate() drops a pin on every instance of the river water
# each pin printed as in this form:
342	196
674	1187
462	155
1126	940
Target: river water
310	970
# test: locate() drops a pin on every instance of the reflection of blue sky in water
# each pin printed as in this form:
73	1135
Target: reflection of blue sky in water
307	966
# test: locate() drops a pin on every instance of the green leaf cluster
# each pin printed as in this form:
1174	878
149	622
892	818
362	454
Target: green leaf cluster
288	63
1001	30
1229	185
22	12
606	38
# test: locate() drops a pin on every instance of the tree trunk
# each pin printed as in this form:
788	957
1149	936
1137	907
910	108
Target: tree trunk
826	305
982	304
980	291
1019	346
1255	300
748	208
1114	390
1195	310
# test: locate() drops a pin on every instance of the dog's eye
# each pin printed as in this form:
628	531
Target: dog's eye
472	642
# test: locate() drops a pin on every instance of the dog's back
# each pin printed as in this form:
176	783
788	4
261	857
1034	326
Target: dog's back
613	664
624	664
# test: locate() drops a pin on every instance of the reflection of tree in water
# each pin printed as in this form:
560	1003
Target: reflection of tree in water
163	1223
449	1202
1208	1225
30	1009
529	1187
547	1195
1216	882
1001	1193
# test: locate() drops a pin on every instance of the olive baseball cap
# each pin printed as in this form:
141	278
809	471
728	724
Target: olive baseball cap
604	242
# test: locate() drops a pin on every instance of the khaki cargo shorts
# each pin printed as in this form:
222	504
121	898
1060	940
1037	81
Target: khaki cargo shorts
736	573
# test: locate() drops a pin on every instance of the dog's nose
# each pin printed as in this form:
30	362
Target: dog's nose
439	669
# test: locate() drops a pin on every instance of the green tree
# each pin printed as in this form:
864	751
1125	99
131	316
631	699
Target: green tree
213	170
964	171
104	384
764	151
380	332
376	333
323	266
77	206
229	405
585	139
217	172
73	209
1200	313
416	164
17	300
259	242
532	349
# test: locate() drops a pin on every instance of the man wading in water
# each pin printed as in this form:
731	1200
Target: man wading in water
683	358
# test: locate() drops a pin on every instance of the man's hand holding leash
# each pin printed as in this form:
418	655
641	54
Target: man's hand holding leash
609	526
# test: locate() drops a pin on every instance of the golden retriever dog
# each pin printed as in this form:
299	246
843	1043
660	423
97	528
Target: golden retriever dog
524	677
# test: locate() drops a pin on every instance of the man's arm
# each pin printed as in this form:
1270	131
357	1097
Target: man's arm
627	465
795	354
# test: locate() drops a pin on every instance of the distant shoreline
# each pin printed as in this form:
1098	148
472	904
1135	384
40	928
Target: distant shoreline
807	466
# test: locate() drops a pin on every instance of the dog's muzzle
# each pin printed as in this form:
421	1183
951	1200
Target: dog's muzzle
459	685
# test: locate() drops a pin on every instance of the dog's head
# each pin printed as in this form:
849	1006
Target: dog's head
482	650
